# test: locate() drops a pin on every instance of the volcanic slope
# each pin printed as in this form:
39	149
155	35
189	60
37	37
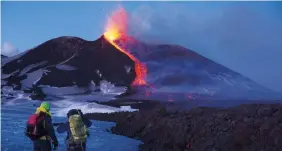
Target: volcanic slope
173	68
67	61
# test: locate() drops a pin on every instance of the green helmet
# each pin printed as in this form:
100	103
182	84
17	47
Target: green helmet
46	106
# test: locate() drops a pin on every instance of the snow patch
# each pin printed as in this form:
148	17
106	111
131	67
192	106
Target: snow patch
19	98
65	67
99	73
62	107
4	76
29	67
126	108
89	97
210	75
92	86
3	82
15	96
227	81
247	86
32	78
62	90
227	75
7	89
127	69
109	88
46	72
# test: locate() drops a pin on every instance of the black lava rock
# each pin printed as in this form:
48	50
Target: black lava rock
250	127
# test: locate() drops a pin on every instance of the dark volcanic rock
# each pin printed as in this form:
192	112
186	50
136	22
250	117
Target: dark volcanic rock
68	61
245	127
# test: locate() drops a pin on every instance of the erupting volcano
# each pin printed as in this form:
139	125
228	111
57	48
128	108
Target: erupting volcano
115	29
86	68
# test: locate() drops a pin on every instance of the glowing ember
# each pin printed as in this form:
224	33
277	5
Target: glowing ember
116	28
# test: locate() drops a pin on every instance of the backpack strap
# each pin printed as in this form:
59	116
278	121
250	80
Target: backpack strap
44	124
79	113
40	117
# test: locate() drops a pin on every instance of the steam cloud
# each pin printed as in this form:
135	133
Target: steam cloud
241	36
8	49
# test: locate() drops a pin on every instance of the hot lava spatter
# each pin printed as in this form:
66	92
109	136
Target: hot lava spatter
116	28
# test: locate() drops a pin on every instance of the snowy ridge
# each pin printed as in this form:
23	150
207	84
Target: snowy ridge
4	76
74	55
28	68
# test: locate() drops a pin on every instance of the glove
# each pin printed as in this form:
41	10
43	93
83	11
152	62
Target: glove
55	146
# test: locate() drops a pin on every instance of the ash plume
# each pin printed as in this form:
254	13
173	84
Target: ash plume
243	36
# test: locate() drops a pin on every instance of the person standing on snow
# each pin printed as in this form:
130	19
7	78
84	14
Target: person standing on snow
40	129
76	128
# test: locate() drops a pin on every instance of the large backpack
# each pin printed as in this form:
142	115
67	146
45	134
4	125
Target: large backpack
78	129
35	127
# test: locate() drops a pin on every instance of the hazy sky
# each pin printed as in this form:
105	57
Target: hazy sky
244	36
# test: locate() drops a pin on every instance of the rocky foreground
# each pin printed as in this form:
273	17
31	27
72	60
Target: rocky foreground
253	127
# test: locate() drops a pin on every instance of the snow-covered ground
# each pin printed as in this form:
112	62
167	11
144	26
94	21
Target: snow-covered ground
17	106
16	111
62	107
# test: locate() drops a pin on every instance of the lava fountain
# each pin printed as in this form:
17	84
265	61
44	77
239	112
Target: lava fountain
115	29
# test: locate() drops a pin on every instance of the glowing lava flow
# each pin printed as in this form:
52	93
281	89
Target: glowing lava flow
140	69
116	28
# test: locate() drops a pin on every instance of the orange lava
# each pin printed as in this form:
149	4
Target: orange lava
115	29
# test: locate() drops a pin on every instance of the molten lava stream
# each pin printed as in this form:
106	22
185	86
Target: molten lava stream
141	73
140	69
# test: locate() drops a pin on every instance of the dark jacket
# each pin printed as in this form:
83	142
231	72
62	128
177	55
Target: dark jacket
66	127
48	126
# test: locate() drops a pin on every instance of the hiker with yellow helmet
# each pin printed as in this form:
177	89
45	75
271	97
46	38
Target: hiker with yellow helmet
40	129
76	128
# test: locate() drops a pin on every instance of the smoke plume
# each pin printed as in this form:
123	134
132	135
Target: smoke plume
242	36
